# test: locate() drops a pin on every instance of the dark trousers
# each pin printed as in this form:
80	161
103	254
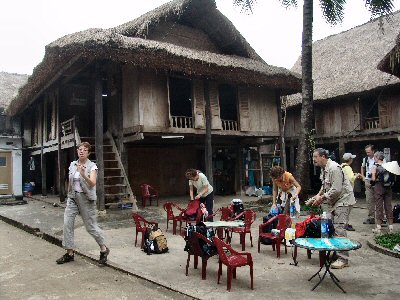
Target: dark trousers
209	203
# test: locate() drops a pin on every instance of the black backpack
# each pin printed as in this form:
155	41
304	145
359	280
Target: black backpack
267	241
396	213
238	208
313	229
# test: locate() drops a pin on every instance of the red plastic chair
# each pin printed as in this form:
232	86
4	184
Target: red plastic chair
232	261
192	209
148	193
196	250
284	222
141	226
169	208
249	218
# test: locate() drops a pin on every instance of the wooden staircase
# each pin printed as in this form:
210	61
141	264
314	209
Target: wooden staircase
117	190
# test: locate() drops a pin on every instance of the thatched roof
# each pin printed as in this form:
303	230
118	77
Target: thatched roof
127	44
345	64
391	62
9	85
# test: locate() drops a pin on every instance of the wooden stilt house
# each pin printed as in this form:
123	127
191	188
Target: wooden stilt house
354	103
138	92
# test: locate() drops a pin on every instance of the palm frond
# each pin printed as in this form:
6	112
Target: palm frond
380	7
245	5
288	3
333	10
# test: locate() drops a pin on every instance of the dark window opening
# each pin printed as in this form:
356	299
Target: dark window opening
370	113
228	106
180	99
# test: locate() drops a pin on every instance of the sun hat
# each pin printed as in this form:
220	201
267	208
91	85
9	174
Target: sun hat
348	156
392	167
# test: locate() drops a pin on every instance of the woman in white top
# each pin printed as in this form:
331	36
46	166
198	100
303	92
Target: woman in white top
204	190
82	200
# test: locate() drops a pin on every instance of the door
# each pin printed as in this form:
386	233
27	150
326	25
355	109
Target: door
5	173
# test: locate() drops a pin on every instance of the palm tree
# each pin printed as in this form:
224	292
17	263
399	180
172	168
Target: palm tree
333	12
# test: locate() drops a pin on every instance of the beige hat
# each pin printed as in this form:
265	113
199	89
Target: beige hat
392	167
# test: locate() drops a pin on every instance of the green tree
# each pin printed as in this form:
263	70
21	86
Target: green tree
333	12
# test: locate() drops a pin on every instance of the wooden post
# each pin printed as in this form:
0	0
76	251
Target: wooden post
42	158
98	108
341	149
60	162
282	151
208	147
292	158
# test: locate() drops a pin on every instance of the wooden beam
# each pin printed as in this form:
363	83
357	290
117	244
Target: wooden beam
208	147
98	108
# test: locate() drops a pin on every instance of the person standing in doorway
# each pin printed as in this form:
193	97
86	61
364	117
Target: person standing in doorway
337	192
82	200
204	189
366	173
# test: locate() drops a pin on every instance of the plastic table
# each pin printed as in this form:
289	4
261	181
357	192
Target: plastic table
327	248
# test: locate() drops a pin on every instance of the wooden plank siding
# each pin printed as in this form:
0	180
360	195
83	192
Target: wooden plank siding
145	105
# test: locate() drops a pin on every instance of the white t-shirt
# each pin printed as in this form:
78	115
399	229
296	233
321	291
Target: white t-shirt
77	184
200	183
368	171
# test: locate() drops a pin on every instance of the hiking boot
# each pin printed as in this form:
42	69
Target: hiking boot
65	259
339	264
349	227
103	256
369	221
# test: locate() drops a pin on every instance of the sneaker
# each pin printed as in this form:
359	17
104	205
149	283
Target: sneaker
65	259
103	256
369	221
397	248
350	228
377	230
339	264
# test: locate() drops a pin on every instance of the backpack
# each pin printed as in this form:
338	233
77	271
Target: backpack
313	228
385	177
203	230
267	241
237	208
155	241
396	213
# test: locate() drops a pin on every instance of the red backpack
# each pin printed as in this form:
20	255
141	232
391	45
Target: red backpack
301	226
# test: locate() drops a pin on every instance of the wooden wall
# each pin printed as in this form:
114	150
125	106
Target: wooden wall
263	115
130	97
293	122
389	111
163	168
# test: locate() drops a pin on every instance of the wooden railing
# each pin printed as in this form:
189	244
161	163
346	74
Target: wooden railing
69	135
371	123
229	125
182	122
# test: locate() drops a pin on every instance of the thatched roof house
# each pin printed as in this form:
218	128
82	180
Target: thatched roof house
344	65
137	43
9	85
391	62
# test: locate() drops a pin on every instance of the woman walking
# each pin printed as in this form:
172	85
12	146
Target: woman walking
82	200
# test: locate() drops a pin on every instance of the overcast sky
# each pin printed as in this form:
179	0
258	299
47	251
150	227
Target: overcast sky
27	26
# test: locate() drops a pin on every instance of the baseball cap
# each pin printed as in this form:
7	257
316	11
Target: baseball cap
348	156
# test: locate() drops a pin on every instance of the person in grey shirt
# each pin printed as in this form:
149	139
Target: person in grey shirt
337	192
